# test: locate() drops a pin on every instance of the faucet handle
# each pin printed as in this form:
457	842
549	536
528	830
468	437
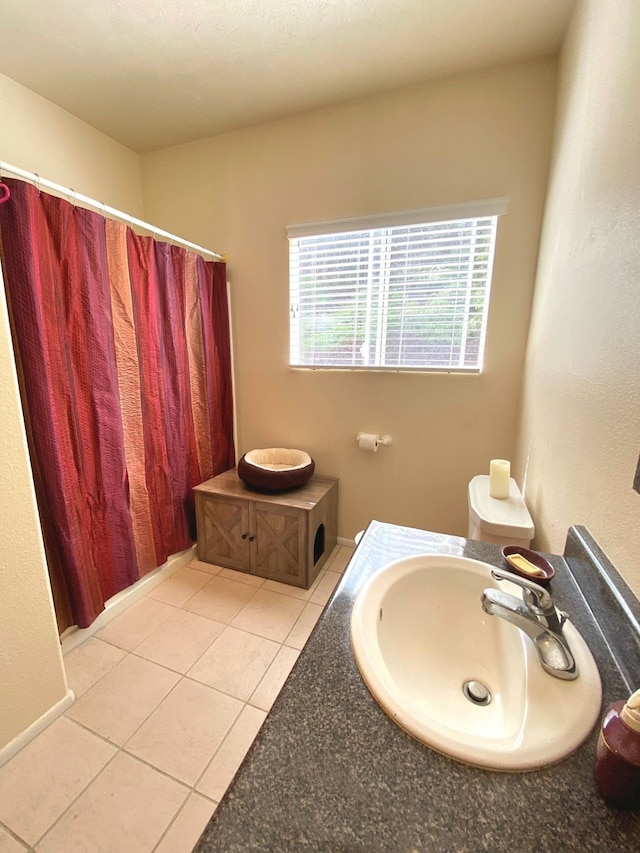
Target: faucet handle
533	594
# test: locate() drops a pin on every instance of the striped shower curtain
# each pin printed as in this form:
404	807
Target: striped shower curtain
123	355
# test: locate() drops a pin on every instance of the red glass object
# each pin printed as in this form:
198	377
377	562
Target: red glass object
616	767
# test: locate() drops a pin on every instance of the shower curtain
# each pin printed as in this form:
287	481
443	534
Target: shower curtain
123	354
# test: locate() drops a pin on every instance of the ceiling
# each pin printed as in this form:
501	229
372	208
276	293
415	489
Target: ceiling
156	73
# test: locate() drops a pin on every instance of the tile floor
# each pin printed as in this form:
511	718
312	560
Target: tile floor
169	697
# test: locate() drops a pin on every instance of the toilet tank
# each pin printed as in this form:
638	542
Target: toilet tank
503	522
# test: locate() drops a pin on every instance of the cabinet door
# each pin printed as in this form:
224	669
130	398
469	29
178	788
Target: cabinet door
279	543
223	531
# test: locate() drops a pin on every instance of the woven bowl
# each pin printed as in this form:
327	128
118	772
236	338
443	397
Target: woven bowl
275	469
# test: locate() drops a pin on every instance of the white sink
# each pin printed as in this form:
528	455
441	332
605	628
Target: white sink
419	634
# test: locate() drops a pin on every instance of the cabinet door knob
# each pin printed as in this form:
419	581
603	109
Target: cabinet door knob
251	538
244	535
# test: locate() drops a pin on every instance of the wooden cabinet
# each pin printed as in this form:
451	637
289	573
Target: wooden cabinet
286	536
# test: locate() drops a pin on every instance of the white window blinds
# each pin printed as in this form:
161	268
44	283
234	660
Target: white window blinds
402	294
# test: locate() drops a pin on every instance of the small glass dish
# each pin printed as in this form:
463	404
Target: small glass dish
547	572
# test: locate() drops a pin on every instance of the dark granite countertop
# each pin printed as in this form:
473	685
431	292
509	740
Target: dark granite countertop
329	771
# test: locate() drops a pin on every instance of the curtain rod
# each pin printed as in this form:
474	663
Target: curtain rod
105	209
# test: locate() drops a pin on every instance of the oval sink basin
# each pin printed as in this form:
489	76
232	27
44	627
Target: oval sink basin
427	652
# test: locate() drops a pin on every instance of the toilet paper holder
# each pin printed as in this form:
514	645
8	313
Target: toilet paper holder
378	439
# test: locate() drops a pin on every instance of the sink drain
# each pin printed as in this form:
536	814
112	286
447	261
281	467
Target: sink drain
476	692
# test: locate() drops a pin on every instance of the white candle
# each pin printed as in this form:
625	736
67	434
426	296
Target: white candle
499	476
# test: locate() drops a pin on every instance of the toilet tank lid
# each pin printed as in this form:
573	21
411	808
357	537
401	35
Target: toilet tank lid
509	517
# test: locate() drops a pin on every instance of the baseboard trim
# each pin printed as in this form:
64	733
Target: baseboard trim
74	636
20	741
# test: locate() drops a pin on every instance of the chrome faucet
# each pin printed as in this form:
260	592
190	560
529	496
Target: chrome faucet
537	616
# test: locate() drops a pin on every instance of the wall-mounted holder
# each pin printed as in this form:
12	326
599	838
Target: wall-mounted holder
370	441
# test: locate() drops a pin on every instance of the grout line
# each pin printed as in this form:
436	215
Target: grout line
120	747
190	789
177	815
221	744
262	636
247	631
194	593
230	695
104	674
146	636
76	798
213	802
14	835
204	651
123	749
240	584
171	823
312	589
94	733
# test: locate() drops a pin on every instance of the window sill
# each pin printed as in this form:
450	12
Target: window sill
458	371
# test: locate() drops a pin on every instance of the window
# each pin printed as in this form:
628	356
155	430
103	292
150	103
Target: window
403	291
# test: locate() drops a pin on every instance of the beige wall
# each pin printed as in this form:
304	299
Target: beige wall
581	414
37	136
40	137
457	139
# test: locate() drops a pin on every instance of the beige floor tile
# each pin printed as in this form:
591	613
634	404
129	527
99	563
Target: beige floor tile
126	809
267	691
304	626
235	662
293	591
184	832
333	555
185	730
339	558
8	844
44	778
220	599
228	758
123	698
179	588
326	586
179	642
241	577
201	566
269	615
87	663
136	623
